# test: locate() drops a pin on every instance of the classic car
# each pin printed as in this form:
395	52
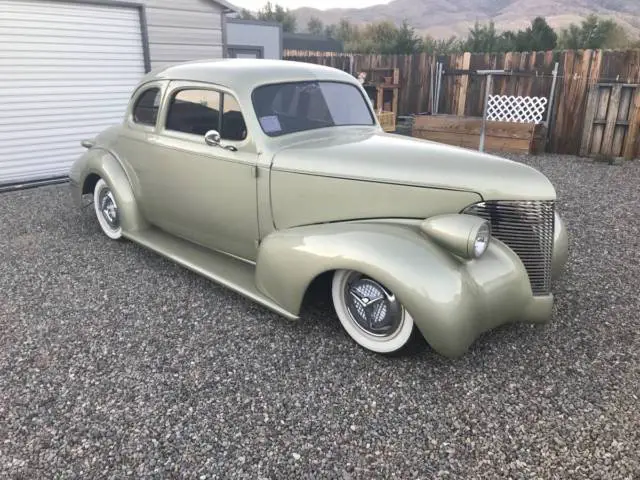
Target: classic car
263	175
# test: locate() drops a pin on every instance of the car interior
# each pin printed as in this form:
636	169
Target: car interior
198	119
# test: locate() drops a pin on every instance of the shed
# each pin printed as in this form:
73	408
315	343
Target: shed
253	39
68	67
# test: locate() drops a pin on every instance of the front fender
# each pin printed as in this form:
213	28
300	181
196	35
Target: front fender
105	165
288	260
451	300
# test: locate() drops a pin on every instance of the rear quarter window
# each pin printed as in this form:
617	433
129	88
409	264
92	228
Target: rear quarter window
145	111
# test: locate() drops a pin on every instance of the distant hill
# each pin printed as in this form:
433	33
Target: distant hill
443	18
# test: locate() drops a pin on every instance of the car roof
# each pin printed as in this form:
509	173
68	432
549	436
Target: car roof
240	73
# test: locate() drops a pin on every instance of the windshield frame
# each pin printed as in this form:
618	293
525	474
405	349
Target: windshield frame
356	87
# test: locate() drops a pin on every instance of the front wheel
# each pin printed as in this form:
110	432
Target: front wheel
106	208
372	315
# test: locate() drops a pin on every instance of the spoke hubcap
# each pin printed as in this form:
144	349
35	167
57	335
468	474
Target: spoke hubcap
372	307
109	208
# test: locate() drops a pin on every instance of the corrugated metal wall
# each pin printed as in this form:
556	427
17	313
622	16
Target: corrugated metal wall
181	30
67	70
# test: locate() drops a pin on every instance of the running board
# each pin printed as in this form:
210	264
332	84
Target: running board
228	271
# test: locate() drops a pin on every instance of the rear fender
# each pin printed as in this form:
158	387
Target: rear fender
104	164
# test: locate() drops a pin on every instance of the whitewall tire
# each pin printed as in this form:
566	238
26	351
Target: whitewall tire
106	208
370	314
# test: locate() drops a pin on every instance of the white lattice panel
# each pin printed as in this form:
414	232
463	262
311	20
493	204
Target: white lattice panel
508	108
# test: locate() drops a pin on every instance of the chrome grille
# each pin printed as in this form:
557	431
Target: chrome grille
527	228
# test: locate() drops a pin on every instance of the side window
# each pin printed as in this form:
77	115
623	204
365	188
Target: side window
146	108
233	126
194	111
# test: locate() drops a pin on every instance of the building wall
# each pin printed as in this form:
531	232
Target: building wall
178	30
253	33
182	30
68	68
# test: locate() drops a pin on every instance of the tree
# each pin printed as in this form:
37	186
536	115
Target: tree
619	38
387	38
541	36
406	41
246	15
379	37
594	32
432	46
346	32
315	26
330	31
510	41
482	38
536	37
277	13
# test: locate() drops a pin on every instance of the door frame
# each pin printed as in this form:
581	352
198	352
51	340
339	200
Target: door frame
245	157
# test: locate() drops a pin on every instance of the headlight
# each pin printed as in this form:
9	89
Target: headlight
467	236
481	241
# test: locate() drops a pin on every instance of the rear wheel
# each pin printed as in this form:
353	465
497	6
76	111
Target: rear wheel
371	314
106	208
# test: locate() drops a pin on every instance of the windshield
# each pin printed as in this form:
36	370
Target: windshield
294	107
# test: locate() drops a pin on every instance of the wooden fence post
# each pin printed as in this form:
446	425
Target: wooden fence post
612	117
487	94
464	85
634	126
589	117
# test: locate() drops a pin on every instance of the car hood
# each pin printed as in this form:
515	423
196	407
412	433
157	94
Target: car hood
391	158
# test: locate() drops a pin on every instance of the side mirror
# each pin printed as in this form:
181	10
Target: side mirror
212	137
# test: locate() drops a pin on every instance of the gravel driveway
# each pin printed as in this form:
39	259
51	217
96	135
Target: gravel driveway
115	362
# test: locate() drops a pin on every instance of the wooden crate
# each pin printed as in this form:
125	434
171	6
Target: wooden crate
387	121
465	132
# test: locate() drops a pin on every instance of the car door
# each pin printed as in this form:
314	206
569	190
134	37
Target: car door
200	192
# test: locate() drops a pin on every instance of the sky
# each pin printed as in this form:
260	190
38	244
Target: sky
319	4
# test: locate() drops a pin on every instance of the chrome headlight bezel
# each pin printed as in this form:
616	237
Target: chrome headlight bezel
467	236
482	239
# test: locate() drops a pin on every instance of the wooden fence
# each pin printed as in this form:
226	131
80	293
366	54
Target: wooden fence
531	73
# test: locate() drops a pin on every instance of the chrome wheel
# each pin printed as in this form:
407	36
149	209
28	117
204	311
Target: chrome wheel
109	208
371	306
106	209
370	313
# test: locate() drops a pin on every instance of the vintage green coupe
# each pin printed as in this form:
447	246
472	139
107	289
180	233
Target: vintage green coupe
263	175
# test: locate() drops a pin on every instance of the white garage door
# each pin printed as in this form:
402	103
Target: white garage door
66	73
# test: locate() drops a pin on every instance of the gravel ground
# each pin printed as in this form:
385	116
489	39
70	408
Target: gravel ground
117	363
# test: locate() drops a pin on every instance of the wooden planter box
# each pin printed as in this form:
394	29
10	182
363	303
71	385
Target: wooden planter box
465	132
